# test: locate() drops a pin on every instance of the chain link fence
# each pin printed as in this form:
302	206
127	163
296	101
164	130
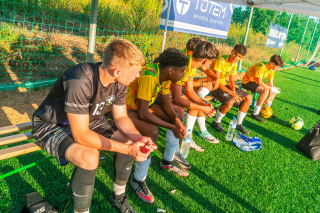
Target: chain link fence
40	39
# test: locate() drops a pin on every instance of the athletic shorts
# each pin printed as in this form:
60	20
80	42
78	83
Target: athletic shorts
252	86
224	97
54	134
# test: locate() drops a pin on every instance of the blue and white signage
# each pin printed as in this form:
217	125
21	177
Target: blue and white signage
277	36
202	17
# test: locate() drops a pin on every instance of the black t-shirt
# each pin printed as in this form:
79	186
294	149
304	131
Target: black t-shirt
79	91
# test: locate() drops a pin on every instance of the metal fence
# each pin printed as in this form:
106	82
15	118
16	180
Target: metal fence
40	39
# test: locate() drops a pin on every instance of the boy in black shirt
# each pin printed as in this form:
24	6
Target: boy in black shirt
70	125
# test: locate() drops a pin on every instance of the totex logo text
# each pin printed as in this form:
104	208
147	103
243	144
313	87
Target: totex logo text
183	6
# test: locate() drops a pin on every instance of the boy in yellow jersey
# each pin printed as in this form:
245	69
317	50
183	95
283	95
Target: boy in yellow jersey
191	45
226	67
253	81
184	95
146	114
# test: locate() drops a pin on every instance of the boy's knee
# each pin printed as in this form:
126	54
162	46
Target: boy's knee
230	104
91	159
153	133
248	98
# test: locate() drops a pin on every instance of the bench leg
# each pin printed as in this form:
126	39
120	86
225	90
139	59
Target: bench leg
255	95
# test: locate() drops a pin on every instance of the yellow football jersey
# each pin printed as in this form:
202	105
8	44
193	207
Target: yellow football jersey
256	71
226	69
147	86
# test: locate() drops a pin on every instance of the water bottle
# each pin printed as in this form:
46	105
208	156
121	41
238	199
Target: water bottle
231	130
185	145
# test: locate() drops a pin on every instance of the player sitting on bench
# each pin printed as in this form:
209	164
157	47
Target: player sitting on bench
70	125
224	67
147	113
253	81
184	95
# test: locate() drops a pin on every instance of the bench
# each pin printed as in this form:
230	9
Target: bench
15	151
12	139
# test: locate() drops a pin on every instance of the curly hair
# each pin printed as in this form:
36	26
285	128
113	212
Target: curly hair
277	60
192	42
241	49
205	50
172	57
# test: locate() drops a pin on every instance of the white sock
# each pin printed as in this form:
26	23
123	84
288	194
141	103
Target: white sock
203	92
81	212
219	117
256	110
141	170
269	104
240	117
171	144
202	123
118	190
190	121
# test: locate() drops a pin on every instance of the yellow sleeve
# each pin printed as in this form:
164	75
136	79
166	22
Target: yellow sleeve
234	69
259	71
147	85
271	75
216	65
184	78
165	89
192	73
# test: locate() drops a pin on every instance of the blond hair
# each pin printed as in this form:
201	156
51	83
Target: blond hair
122	52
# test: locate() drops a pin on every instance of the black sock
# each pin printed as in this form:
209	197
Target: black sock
122	168
165	162
82	185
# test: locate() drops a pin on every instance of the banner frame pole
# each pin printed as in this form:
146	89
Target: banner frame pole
287	32
92	30
305	29
314	31
246	35
165	28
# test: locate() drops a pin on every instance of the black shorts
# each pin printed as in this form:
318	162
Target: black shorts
54	135
252	86
224	97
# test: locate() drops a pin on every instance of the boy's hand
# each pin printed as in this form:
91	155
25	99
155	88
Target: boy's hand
216	84
180	125
208	110
236	97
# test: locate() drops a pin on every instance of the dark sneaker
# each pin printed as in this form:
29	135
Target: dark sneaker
242	129
142	190
208	137
273	116
175	169
196	147
121	204
318	112
181	161
258	118
217	126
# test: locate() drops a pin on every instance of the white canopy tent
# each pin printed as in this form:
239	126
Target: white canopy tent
304	7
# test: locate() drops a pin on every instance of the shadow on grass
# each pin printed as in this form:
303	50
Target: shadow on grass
300	81
276	137
297	105
52	180
209	180
205	203
185	189
290	73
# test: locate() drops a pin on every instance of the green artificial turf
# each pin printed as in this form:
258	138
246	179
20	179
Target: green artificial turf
278	178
